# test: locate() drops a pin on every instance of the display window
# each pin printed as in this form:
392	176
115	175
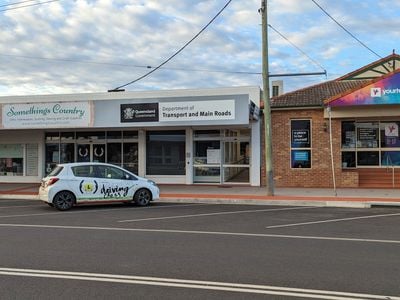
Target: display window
165	152
116	147
370	144
221	156
300	142
19	159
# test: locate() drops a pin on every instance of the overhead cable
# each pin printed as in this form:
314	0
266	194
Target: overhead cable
177	52
28	5
305	54
127	65
341	26
16	3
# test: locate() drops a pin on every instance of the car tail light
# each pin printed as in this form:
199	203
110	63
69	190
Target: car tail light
52	180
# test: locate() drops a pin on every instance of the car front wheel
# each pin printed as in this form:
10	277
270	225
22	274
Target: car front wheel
142	197
64	200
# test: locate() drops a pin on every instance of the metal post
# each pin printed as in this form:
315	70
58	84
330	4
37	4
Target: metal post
266	100
331	146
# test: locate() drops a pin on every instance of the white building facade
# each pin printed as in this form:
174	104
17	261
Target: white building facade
203	136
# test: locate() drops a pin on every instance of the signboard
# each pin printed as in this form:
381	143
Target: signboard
392	129
301	155
46	115
367	134
213	156
197	111
300	136
384	91
142	112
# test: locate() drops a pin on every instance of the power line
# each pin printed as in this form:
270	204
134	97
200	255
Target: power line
28	5
129	66
341	26
177	52
305	54
16	3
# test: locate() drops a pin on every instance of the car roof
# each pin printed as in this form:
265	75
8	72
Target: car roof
85	164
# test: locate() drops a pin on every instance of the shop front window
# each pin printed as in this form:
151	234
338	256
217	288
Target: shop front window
368	158
300	144
165	152
376	144
52	156
390	134
11	160
368	135
131	157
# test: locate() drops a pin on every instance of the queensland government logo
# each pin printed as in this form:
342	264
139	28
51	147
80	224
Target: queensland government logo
141	112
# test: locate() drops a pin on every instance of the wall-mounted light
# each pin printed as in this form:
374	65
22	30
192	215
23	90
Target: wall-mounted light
325	127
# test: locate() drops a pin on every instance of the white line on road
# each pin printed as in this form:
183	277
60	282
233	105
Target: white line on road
194	284
220	233
16	206
101	210
216	214
333	220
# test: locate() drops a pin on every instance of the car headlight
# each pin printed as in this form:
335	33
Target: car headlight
151	182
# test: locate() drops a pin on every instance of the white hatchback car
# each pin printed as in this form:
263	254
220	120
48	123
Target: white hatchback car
83	183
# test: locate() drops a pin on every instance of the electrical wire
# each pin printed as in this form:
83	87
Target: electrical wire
305	54
341	26
28	5
16	3
127	65
177	52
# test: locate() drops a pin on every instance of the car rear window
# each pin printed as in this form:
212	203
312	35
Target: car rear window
56	171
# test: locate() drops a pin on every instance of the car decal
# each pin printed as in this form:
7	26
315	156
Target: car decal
115	191
88	187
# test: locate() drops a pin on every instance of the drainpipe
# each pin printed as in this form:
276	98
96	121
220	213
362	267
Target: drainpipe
331	146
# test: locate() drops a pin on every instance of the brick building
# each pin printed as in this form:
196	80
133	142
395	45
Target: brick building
363	109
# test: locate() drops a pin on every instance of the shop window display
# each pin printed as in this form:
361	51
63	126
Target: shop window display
300	143
11	160
370	144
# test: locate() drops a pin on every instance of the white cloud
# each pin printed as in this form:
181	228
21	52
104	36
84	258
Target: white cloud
146	32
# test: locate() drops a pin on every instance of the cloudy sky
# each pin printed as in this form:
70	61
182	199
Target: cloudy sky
76	46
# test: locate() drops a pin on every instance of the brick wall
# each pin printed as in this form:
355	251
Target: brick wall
320	173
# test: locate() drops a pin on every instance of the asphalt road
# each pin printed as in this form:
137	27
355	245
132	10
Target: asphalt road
198	251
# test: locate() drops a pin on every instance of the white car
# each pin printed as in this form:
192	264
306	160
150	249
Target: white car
83	183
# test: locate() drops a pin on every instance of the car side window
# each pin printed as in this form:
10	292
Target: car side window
83	171
110	173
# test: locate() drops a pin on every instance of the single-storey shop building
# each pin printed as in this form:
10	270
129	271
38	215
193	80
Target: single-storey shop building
178	136
357	114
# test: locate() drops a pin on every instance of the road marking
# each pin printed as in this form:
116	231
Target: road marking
333	220
206	233
216	214
101	210
194	284
14	206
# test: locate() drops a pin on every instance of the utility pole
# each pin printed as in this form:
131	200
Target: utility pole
266	99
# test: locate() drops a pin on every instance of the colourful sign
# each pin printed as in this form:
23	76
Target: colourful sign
384	91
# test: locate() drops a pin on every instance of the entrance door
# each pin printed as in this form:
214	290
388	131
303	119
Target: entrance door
91	153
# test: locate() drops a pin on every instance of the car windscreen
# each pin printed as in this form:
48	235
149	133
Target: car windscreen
56	171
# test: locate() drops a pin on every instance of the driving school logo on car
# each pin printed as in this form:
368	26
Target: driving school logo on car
88	187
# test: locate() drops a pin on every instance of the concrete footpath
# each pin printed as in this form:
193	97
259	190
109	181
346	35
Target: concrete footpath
234	194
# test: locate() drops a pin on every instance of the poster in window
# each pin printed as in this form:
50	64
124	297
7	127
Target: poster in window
301	137
301	159
213	156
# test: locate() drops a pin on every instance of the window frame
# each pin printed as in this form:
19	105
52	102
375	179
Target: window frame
302	148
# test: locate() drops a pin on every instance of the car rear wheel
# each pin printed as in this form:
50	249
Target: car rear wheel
142	197
64	200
